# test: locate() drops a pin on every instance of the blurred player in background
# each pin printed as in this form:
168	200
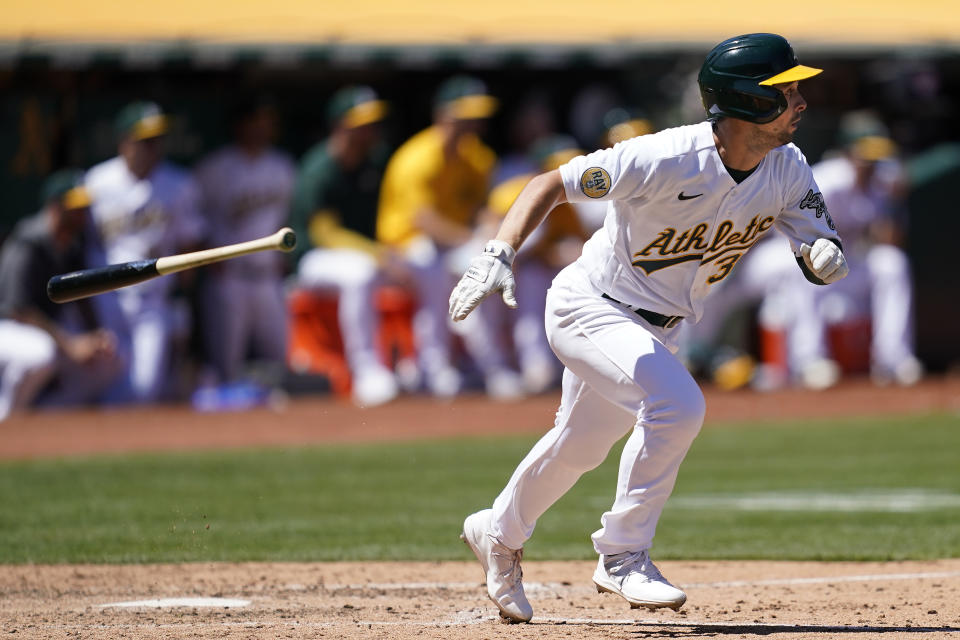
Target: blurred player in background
549	248
245	192
334	210
41	341
432	192
145	207
865	184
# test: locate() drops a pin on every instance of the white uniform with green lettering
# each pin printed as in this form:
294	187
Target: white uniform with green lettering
140	219
676	225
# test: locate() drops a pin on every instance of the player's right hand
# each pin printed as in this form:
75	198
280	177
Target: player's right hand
489	272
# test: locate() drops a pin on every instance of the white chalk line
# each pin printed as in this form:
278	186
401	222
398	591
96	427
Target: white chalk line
877	577
171	603
910	500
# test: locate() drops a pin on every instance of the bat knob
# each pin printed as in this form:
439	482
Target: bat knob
289	240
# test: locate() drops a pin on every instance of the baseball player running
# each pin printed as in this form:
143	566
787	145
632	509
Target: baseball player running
683	205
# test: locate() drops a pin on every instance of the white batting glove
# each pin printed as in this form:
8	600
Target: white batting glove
487	273
825	260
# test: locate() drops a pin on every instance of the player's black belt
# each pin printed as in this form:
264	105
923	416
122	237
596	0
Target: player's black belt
654	318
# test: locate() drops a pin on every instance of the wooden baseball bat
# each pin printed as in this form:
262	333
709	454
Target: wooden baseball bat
89	282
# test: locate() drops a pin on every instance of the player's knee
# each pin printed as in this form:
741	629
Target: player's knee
693	410
684	410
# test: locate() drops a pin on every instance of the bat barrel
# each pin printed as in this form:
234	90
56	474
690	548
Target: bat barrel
89	282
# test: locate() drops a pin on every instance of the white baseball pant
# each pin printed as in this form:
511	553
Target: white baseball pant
619	376
28	358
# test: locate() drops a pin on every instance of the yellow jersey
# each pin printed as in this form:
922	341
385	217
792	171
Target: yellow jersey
419	177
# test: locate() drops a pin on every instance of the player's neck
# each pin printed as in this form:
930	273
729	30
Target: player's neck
733	140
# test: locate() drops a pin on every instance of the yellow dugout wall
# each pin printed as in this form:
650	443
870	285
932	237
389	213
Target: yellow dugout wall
838	23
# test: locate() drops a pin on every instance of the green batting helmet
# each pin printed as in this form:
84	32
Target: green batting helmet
737	78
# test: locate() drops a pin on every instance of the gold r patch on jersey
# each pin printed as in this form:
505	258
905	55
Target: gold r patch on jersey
595	182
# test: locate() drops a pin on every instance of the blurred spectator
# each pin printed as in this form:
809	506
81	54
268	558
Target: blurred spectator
335	211
145	207
434	187
552	246
245	192
40	341
863	186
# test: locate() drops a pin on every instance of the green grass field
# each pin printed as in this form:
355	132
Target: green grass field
874	489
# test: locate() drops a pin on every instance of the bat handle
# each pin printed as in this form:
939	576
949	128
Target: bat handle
89	282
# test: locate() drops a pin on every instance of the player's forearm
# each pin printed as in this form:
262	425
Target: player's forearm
537	199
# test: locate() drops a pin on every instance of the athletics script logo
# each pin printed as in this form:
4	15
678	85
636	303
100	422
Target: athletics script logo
672	247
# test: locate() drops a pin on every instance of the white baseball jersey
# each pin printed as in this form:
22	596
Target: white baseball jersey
677	222
244	198
142	219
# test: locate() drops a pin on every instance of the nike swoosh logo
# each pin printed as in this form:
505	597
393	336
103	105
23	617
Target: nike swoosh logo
683	197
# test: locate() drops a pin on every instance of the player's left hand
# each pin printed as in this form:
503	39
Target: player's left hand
825	260
489	272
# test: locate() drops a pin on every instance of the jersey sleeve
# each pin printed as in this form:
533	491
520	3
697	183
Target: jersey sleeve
804	217
617	173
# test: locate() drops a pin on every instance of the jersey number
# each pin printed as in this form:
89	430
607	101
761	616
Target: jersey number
725	264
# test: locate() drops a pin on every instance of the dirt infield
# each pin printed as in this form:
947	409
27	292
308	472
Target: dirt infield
446	600
777	600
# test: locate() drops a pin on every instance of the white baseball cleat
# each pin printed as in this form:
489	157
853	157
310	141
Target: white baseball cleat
633	576
501	567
